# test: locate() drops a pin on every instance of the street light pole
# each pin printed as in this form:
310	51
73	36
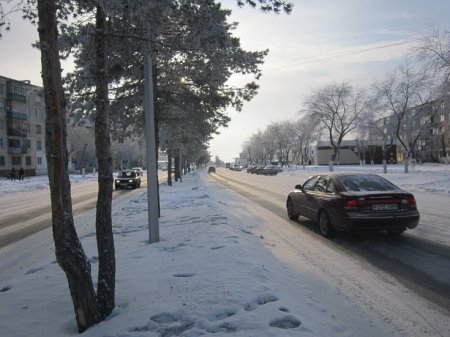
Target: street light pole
152	174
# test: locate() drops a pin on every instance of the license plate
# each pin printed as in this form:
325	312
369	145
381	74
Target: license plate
384	207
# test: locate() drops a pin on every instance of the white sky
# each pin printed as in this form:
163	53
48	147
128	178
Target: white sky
321	41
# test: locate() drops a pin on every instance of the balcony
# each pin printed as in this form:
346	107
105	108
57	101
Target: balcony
17	115
17	132
16	97
17	150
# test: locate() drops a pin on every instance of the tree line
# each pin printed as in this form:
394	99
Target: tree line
404	107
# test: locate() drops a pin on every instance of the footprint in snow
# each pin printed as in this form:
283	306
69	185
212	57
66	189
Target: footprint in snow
184	275
260	300
221	314
5	289
287	322
33	270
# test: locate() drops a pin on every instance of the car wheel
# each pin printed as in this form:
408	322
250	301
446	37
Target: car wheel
326	229
290	210
396	232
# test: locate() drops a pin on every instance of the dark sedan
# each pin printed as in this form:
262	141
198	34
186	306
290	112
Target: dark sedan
259	169
128	178
353	202
271	170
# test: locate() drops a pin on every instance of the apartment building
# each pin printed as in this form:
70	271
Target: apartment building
22	127
434	145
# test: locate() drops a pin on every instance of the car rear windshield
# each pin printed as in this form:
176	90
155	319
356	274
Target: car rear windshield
361	183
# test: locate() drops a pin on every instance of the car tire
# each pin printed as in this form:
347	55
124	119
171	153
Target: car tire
396	232
326	229
290	210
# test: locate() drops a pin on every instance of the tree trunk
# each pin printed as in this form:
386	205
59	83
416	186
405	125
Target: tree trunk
103	224
169	167
68	249
177	165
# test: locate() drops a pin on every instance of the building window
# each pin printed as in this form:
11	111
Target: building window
1	106
1	88
38	129
2	124
39	145
1	142
442	118
28	143
28	161
39	161
2	161
16	161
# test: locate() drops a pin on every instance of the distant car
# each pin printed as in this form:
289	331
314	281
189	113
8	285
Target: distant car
211	169
259	169
251	169
271	170
138	170
353	202
126	179
237	168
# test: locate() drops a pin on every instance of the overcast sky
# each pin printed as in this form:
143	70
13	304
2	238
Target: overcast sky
322	41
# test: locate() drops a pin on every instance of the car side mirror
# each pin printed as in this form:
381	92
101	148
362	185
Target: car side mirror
299	187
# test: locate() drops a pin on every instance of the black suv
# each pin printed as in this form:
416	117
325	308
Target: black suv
127	179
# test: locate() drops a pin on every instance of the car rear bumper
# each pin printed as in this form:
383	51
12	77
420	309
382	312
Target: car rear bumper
365	222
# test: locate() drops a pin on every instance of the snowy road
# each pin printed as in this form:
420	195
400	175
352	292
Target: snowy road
229	265
419	259
23	214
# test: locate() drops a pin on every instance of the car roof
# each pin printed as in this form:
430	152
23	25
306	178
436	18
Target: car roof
340	174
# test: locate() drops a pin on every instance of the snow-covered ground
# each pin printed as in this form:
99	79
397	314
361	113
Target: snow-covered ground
218	269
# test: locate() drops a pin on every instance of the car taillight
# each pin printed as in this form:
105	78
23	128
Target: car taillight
351	203
411	201
359	203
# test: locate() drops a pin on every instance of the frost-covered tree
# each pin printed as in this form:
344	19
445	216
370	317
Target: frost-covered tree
405	98
306	134
337	108
433	50
283	134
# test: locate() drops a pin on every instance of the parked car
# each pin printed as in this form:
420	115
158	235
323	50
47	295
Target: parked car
211	169
258	169
353	202
251	169
271	170
126	179
237	168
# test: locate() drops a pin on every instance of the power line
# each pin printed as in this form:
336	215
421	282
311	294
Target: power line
337	54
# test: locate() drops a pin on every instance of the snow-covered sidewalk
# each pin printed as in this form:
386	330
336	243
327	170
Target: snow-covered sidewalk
213	272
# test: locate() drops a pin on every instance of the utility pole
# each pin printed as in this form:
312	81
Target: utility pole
152	174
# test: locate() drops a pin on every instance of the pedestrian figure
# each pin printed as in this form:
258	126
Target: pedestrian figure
21	173
13	174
